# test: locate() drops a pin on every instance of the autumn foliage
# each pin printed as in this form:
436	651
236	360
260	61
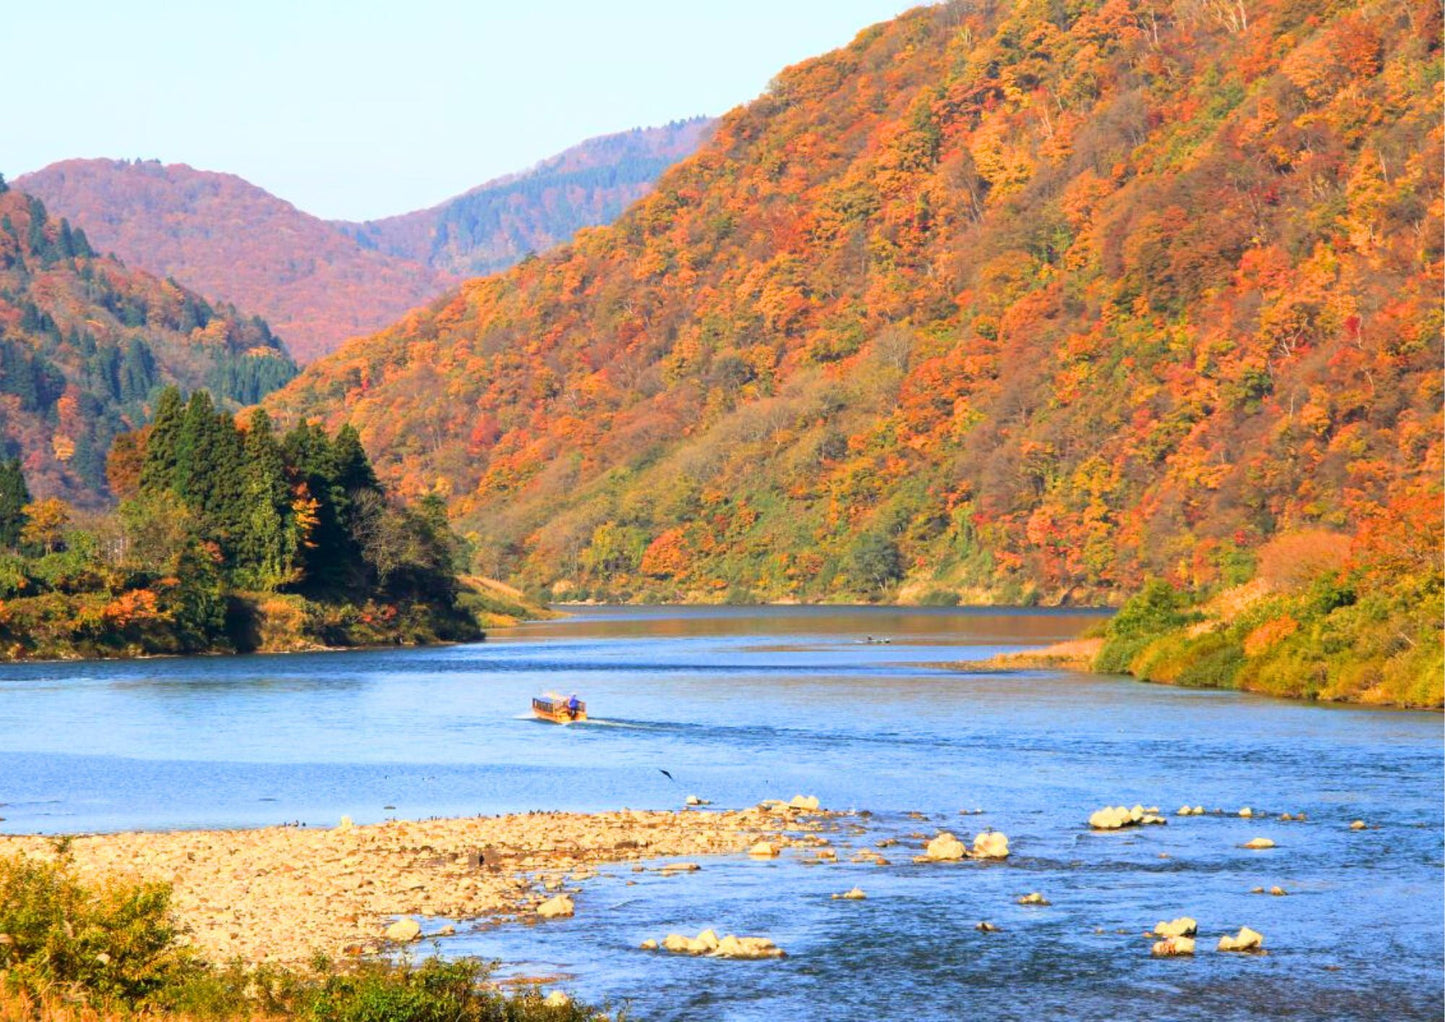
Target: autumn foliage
1015	300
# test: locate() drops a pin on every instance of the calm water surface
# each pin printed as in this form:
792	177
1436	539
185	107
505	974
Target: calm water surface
744	704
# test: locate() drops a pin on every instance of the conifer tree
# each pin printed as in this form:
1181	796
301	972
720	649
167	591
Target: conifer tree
267	540
14	495
158	472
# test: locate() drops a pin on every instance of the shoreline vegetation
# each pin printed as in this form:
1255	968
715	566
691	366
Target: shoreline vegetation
296	922
231	537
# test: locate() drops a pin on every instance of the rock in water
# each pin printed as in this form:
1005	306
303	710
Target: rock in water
990	845
1358	825
1171	946
986	927
806	802
1246	812
649	945
944	848
1181	927
559	907
763	850
1245	940
856	894
1033	899
403	931
1259	842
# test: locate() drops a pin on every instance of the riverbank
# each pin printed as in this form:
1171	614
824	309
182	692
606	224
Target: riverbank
282	894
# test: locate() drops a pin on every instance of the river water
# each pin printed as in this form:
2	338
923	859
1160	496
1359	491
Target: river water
741	704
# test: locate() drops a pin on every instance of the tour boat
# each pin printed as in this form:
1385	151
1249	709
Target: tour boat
551	706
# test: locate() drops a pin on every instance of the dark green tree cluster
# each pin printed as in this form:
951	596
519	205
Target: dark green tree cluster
14	495
300	512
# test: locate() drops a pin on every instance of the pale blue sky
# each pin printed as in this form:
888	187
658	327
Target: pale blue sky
363	109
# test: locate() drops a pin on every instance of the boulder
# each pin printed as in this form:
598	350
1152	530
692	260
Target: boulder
693	800
648	945
705	942
1198	810
747	948
807	802
345	824
677	943
560	907
944	848
986	927
556	999
1245	940
1278	892
1171	946
1110	818
763	850
1246	812
403	931
1259	842
990	845
1358	825
1185	811
856	894
1033	899
1184	926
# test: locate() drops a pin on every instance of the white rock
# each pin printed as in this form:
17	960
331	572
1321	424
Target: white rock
990	845
1246	812
559	907
1171	946
403	931
855	894
1245	940
556	999
648	945
808	802
1259	842
1184	926
763	850
943	848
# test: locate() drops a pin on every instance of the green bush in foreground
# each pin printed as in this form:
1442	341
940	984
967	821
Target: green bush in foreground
114	946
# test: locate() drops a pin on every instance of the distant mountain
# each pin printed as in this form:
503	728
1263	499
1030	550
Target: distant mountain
320	282
86	344
497	224
232	241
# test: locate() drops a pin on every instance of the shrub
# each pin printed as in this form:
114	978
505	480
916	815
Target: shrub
113	939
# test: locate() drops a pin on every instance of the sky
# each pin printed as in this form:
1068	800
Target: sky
363	109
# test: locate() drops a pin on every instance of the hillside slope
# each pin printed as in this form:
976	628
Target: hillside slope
1011	301
495	225
86	344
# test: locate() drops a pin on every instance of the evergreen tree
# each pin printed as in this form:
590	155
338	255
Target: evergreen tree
267	541
158	472
14	495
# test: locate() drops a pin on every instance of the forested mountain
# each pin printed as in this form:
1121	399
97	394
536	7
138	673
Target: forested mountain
320	282
86	344
495	225
1013	301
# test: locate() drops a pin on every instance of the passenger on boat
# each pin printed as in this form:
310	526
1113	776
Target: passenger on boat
573	706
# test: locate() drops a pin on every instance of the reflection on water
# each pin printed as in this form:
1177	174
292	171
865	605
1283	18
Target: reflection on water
739	704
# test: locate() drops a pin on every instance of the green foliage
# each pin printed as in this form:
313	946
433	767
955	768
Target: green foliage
1156	610
14	495
111	940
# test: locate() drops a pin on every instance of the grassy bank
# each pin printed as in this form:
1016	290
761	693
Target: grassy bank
1324	617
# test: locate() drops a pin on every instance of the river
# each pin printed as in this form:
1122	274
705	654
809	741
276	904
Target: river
741	704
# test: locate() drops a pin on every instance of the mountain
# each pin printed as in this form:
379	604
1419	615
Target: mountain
232	241
497	224
86	343
1012	301
320	282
